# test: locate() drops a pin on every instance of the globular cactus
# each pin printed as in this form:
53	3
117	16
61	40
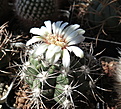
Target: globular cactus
54	75
105	13
34	12
117	85
49	84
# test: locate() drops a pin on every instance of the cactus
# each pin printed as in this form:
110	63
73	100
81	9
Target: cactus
34	12
105	13
117	85
54	75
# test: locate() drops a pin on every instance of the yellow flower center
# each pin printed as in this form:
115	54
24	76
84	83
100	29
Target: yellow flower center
57	40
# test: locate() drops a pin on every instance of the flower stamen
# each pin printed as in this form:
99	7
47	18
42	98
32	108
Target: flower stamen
56	40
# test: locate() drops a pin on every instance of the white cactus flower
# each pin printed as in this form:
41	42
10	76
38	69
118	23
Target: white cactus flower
57	40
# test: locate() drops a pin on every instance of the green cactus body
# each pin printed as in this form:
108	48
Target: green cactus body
61	81
64	89
38	76
105	13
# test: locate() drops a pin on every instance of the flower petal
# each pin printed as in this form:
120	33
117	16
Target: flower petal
74	34
53	28
52	50
66	58
48	25
62	27
77	51
43	31
49	52
33	40
57	25
71	36
35	31
68	30
81	31
39	31
56	57
76	40
41	49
